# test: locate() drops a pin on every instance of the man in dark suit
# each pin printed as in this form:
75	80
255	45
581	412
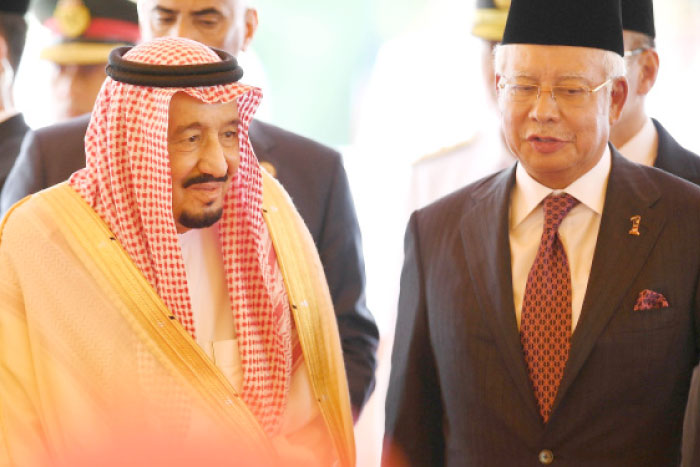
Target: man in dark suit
13	33
638	137
549	313
311	173
644	140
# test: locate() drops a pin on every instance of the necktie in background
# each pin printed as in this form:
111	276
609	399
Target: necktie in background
545	325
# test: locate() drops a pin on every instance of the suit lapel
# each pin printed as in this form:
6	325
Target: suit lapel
484	230
618	257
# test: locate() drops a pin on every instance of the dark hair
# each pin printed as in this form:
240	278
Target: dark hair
13	28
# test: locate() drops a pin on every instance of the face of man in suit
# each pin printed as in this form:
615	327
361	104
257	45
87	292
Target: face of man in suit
641	69
556	139
204	155
75	88
225	24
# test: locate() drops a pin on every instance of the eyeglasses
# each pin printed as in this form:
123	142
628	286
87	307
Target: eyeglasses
633	52
573	95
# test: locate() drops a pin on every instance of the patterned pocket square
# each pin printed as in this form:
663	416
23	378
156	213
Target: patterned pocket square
650	300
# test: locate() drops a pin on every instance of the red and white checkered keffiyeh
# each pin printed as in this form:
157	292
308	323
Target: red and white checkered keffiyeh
127	182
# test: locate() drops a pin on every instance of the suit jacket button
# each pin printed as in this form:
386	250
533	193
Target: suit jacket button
546	457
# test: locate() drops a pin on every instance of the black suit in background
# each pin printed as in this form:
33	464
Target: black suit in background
12	132
673	158
314	177
459	392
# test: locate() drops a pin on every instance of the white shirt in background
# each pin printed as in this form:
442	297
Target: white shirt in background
642	147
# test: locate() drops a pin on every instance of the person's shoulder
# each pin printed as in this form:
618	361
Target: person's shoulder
670	186
461	200
446	154
674	158
18	222
272	137
67	129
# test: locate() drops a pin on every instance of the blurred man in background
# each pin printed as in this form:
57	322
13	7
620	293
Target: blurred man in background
484	152
311	173
84	32
13	34
637	136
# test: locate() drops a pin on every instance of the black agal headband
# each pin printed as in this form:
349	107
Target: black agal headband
173	76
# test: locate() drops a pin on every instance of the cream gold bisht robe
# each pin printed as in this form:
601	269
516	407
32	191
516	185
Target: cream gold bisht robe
94	369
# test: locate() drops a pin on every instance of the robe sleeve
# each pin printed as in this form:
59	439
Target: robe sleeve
21	436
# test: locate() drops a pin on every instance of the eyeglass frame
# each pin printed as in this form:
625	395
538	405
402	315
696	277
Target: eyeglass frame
637	51
589	90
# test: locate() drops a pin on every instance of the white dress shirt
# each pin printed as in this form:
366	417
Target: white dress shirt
643	146
578	231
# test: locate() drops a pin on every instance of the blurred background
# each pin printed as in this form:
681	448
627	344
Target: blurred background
388	82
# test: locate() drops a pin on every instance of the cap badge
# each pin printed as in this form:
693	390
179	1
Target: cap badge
502	4
72	17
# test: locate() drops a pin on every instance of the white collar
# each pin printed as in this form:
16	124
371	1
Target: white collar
642	147
589	189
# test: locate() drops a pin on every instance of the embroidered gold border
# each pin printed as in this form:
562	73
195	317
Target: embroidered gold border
312	309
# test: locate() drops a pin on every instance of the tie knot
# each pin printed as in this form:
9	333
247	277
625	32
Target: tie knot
556	207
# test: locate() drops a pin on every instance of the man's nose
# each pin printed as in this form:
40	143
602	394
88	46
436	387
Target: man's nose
545	106
213	160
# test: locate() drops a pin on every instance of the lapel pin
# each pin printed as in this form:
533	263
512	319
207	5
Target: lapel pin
636	220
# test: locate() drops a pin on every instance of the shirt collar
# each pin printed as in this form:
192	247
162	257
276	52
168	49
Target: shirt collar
589	189
642	147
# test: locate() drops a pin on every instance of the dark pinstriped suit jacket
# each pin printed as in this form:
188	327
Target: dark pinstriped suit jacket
314	177
459	392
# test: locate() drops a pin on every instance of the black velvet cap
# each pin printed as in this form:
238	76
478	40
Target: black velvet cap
638	15
14	6
596	24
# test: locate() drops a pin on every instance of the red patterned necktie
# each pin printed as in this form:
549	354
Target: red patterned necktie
545	325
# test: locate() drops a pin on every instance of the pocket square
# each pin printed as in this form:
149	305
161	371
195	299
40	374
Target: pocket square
650	300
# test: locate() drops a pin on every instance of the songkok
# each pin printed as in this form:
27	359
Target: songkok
85	31
490	19
638	15
565	22
127	181
14	6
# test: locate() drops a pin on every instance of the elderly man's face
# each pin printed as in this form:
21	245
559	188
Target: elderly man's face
555	141
204	156
224	24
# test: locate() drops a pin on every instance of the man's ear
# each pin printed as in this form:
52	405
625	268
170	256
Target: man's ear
4	57
251	25
648	70
618	96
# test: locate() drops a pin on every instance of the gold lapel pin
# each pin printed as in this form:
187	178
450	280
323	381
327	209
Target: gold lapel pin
636	220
